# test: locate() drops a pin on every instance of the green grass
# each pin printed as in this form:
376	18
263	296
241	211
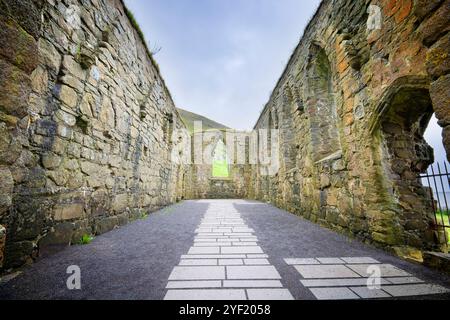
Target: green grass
86	239
220	169
444	217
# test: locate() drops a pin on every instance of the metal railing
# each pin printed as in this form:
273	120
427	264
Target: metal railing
437	179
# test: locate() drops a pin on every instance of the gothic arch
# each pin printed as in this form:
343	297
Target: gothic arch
320	105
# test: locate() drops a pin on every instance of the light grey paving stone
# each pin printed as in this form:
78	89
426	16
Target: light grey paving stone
194	284
214	256
206	294
204	250
387	270
325	271
238	234
236	249
330	261
257	256
205	240
203	230
367	293
211	234
240	230
231	262
197	273
404	280
252	284
408	290
256	262
269	294
252	272
360	260
198	262
245	244
338	282
301	261
334	294
212	244
249	239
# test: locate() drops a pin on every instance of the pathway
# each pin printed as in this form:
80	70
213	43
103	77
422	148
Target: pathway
226	249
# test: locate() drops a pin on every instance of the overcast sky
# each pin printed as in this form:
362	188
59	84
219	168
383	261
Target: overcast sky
222	58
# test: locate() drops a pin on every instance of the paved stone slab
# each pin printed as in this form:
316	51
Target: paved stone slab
236	249
334	294
387	270
367	293
325	271
214	256
198	262
338	282
404	280
301	261
269	294
252	272
212	244
245	244
256	262
193	284
408	290
252	284
231	262
197	273
206	294
257	256
360	260
330	261
204	250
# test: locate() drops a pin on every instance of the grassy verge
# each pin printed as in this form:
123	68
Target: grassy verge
443	218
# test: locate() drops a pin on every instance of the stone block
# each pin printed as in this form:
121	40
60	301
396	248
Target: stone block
67	95
27	13
440	95
437	260
438	58
68	211
19	253
49	55
6	190
436	24
2	244
14	89
17	46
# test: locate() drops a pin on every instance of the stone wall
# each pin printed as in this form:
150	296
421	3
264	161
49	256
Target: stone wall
200	183
352	106
85	125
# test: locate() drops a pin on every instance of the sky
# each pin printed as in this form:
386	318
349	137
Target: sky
223	58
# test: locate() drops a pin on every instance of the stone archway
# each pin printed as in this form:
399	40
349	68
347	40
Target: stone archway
399	125
321	106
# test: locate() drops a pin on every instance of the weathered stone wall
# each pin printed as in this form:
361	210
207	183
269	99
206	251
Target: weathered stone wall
200	183
352	107
85	124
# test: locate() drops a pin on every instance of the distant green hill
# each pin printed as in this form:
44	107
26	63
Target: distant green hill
190	117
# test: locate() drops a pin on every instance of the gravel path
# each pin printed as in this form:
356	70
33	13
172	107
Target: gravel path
136	261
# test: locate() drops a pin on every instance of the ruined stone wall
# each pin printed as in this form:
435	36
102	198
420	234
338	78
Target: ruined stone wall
200	183
352	107
85	125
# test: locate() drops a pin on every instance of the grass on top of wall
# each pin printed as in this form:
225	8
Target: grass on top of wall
138	29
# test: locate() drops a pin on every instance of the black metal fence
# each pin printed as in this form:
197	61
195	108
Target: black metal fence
437	179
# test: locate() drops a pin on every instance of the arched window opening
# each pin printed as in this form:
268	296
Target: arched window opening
321	106
220	166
